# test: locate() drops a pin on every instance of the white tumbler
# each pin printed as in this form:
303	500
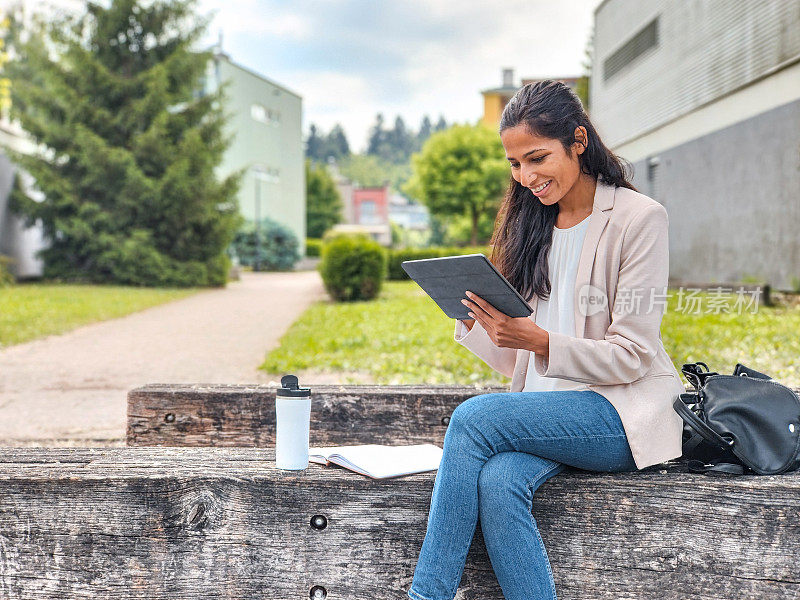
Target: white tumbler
292	423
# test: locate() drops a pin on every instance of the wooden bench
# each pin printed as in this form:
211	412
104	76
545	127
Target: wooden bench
244	415
166	523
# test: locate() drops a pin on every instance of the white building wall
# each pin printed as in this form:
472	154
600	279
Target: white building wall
706	50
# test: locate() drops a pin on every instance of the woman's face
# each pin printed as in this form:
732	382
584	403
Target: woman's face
536	161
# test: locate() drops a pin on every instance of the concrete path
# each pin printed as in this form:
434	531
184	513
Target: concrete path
71	389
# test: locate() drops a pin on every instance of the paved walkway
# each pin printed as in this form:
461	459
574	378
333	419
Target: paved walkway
71	389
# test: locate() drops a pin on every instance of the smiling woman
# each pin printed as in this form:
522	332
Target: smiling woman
592	385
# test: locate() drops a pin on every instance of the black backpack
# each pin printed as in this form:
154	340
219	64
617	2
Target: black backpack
738	424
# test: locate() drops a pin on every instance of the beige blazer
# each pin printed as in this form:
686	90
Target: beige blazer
617	349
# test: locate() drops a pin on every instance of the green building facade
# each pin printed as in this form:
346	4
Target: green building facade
265	122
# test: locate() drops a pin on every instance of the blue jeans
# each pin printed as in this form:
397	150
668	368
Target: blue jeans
498	449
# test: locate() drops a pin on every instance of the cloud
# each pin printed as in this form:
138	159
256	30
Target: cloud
256	17
351	59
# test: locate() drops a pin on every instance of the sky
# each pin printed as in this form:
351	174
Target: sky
351	59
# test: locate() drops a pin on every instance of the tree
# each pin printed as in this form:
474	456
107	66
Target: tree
425	130
441	124
337	144
394	145
372	171
126	146
320	147
377	136
461	170
315	145
323	202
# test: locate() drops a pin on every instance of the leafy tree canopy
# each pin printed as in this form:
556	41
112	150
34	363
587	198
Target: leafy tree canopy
460	171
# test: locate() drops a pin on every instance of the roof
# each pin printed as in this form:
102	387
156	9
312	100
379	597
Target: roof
218	55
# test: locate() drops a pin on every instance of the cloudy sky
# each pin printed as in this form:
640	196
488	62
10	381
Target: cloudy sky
350	59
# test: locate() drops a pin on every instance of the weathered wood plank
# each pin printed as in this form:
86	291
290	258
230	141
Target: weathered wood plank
224	523
244	415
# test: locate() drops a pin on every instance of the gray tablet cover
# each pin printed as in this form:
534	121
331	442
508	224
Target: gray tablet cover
446	280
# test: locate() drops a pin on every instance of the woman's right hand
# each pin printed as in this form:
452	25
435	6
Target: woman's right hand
468	323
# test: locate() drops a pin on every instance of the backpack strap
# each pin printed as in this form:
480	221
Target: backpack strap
721	468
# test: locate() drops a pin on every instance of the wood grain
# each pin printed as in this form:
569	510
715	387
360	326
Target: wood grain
242	415
179	523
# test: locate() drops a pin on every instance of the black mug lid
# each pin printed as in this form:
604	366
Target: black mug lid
290	387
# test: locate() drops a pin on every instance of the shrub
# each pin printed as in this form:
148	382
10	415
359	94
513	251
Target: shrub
353	267
6	278
280	248
135	261
396	257
313	247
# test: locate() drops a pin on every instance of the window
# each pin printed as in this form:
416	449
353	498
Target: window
368	212
652	177
632	49
262	114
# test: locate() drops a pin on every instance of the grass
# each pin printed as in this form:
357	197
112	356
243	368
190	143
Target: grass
403	337
34	310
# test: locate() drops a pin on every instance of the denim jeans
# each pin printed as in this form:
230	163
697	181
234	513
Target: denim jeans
498	449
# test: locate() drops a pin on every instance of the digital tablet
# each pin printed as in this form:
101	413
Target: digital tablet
447	279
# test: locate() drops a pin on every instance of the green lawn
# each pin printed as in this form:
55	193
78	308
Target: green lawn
403	337
34	310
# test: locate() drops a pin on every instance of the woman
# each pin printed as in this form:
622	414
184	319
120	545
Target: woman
592	385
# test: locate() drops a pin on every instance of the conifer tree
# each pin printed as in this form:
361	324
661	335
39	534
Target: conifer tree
128	143
324	206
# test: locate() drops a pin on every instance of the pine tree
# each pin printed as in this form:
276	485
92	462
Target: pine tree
425	130
377	136
128	144
323	202
314	144
338	147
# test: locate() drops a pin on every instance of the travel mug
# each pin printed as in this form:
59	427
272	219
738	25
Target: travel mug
292	422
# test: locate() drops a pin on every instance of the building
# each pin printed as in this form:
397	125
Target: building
408	214
266	126
495	99
371	205
703	98
18	241
364	209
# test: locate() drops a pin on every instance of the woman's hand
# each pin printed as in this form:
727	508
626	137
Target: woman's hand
505	331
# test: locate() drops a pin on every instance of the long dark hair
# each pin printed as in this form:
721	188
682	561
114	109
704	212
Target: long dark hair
523	229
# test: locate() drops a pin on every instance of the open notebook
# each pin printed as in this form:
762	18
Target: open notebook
378	461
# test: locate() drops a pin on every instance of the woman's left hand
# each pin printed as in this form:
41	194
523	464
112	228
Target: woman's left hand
505	331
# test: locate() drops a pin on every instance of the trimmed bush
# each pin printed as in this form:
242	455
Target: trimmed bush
396	257
353	267
280	248
6	278
313	247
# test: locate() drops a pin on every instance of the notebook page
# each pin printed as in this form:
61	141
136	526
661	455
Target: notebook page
320	455
380	461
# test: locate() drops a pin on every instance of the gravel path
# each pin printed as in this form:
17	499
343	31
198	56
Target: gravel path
71	389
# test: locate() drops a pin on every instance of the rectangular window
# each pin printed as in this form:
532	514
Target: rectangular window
368	212
632	49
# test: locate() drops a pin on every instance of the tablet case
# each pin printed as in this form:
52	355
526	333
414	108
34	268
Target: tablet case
447	279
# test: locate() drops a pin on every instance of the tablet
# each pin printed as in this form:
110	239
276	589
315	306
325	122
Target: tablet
447	279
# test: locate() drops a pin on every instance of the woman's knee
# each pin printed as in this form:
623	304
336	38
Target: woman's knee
512	475
471	409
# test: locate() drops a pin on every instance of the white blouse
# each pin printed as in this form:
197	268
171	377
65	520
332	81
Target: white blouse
557	313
